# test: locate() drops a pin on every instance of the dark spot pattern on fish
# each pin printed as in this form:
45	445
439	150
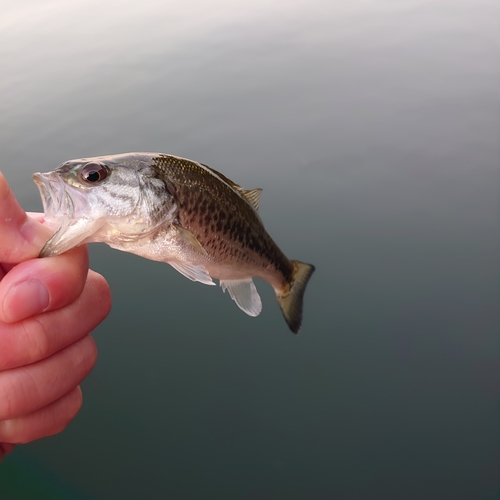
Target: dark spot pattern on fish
209	202
192	213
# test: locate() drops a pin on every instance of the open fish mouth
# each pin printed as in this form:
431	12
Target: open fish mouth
57	203
65	212
60	200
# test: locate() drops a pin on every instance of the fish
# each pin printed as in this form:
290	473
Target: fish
170	209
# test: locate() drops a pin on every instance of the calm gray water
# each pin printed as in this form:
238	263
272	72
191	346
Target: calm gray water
373	128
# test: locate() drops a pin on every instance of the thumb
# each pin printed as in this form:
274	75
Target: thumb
21	238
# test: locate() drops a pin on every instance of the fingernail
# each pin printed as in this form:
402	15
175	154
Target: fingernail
25	299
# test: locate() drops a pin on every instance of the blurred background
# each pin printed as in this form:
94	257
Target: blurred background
374	129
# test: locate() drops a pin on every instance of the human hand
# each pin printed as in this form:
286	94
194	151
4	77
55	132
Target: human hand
47	309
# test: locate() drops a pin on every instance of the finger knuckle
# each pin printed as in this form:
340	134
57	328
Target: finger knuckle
72	405
102	292
91	352
8	431
9	397
83	358
38	344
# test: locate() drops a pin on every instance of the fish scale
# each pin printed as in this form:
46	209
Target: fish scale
178	211
204	199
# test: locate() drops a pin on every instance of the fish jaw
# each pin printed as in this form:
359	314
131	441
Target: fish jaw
60	208
53	195
60	200
70	234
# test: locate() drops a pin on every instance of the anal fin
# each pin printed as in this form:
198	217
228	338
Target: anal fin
244	293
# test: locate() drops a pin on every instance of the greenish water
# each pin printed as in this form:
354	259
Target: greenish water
373	128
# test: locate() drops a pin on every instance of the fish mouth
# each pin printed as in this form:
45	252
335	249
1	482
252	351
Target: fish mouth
56	202
63	212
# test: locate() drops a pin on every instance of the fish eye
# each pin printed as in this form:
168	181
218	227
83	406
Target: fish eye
93	173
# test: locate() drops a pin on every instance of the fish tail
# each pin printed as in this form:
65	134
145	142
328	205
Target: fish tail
291	299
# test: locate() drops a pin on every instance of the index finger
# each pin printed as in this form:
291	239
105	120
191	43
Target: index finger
22	237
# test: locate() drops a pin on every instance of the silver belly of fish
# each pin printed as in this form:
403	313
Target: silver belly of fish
174	210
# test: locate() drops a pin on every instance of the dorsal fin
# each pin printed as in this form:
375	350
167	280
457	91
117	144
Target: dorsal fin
235	186
252	196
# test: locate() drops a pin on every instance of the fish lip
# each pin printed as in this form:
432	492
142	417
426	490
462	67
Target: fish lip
39	179
57	202
50	192
61	204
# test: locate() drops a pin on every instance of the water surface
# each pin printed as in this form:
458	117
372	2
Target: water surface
373	128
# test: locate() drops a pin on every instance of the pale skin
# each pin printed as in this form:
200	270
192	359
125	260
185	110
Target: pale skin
48	307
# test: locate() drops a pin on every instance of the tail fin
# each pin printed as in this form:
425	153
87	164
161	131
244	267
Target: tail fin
291	299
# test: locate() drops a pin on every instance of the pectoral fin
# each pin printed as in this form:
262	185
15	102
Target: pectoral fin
189	239
69	235
193	272
244	293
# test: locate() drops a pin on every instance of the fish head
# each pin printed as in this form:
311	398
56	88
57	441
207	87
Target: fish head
101	199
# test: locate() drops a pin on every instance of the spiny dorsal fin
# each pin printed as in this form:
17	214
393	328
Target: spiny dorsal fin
252	196
235	186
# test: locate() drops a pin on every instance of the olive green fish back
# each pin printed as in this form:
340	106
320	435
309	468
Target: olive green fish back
219	212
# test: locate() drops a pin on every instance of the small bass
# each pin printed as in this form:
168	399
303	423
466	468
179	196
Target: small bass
174	210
